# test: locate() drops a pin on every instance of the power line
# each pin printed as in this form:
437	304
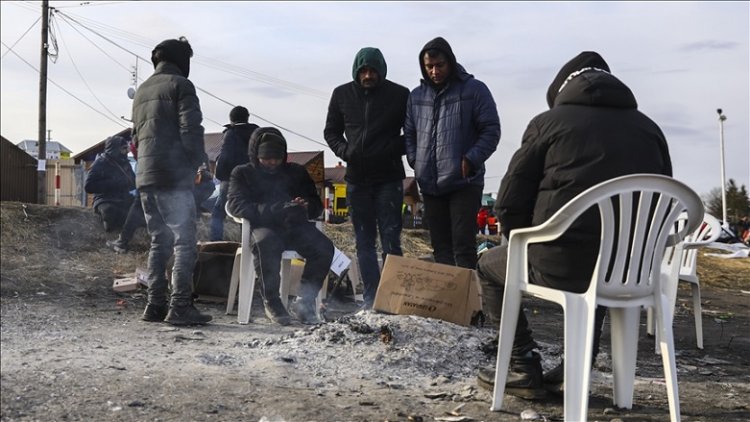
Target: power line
75	66
23	35
63	89
200	89
265	120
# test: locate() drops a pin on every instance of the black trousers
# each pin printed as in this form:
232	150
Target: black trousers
267	246
491	270
452	221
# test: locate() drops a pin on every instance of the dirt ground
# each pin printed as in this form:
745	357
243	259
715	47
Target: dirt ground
73	349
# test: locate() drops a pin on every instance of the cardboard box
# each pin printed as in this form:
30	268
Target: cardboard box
415	287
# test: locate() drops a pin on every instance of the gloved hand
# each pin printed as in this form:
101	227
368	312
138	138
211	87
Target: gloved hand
294	213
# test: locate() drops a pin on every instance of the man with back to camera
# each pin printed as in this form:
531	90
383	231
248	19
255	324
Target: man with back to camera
233	153
593	132
167	124
363	128
451	129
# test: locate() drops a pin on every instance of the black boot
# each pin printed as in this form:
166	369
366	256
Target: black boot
276	312
304	310
553	380
524	377
155	312
186	315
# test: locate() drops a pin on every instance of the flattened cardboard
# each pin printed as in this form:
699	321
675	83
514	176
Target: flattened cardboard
415	287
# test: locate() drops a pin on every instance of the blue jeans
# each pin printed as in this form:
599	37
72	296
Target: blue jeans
218	214
170	219
375	208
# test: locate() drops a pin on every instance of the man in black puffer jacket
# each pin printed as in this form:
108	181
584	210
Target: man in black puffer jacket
278	198
167	124
593	132
111	180
233	153
363	128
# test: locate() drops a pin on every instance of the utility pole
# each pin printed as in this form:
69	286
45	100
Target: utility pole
724	221
42	151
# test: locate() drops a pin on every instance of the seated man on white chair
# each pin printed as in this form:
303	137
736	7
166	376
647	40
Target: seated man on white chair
279	198
593	132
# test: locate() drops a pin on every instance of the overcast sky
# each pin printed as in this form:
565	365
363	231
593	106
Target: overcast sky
283	59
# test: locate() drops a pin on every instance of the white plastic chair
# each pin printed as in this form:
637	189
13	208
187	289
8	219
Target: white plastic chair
684	268
243	273
626	277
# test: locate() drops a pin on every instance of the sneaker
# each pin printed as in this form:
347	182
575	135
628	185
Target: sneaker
524	378
186	315
118	245
304	311
276	312
154	313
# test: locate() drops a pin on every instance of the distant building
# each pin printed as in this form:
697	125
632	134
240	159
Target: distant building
55	150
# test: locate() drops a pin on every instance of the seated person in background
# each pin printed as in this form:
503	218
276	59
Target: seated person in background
111	179
278	198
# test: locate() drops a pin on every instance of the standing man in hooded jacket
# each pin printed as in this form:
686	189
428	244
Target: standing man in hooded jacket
167	123
451	129
233	153
592	132
279	198
363	128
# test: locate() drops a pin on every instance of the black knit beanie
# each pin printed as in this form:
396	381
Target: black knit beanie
174	51
271	146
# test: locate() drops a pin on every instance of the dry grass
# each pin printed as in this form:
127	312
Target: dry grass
46	246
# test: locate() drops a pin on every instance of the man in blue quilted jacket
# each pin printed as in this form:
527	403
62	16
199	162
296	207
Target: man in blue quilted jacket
451	129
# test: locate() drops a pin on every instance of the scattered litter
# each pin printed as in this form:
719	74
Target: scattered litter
386	335
456	411
454	418
181	337
222	359
708	360
119	368
136	403
529	415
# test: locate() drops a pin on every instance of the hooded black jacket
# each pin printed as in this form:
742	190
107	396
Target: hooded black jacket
111	177
260	196
233	149
592	133
363	126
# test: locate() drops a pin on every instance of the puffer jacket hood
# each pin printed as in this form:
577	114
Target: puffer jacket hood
585	80
442	45
113	146
257	138
370	57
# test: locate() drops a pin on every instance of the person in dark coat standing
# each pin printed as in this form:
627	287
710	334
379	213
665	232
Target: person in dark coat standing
363	128
167	124
279	198
232	154
112	181
451	129
593	132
